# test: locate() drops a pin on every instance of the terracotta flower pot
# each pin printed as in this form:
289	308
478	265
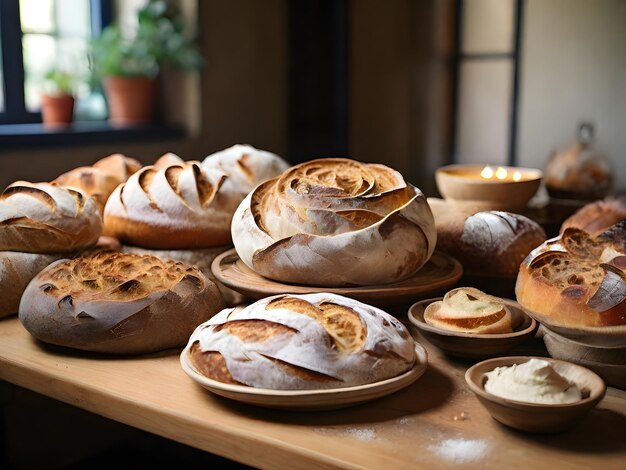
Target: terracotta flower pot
131	99
57	110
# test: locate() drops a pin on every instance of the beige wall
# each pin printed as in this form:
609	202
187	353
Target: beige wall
573	69
242	95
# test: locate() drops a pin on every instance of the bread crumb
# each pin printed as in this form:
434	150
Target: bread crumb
461	417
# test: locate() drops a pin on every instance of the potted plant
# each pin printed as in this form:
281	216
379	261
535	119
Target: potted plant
129	65
57	100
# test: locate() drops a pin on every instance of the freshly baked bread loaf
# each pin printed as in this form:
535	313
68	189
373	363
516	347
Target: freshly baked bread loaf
334	222
245	166
596	217
469	310
16	271
118	303
178	206
47	218
302	342
488	243
169	159
99	180
577	280
201	258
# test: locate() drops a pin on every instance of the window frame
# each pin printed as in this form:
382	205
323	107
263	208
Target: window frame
12	57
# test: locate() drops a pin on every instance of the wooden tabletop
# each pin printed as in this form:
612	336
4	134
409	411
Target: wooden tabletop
434	423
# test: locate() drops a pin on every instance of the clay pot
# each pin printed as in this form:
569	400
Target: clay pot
57	110
131	99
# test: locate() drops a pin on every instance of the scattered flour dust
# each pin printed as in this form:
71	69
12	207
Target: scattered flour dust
362	434
460	450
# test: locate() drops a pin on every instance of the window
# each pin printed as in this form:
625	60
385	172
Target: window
37	35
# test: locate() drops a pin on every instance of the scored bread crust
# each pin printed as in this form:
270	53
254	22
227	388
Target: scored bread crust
100	179
576	280
16	271
177	206
598	216
487	243
47	218
302	342
469	310
335	222
118	303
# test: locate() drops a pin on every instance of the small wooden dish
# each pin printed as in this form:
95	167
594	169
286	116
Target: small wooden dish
475	346
608	363
462	182
309	400
438	274
534	417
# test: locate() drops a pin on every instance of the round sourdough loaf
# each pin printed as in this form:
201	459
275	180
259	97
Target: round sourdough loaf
302	342
335	222
576	280
118	303
469	310
99	180
16	271
488	243
47	218
596	217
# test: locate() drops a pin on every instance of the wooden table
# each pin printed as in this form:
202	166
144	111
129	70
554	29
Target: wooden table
434	423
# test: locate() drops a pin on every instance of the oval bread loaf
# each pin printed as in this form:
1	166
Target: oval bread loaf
335	222
47	218
302	342
118	303
577	280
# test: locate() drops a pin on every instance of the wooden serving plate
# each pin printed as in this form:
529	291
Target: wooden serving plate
534	417
475	346
438	274
309	400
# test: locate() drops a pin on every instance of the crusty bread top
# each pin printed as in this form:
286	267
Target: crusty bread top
177	206
470	310
119	166
303	342
314	223
245	166
113	276
47	218
596	217
584	270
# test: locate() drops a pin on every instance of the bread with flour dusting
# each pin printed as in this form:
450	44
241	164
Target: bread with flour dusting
47	218
492	243
118	303
301	342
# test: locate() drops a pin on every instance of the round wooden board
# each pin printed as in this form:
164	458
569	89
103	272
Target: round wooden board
438	274
309	400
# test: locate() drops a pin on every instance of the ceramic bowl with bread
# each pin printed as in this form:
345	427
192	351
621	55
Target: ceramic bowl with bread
335	222
535	394
575	285
117	303
40	223
467	322
302	345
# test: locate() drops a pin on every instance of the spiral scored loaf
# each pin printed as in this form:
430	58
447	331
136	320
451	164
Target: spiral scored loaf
245	166
577	280
47	218
177	206
301	342
100	179
469	310
333	222
118	303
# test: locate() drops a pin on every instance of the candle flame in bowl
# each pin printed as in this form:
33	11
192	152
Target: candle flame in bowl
499	173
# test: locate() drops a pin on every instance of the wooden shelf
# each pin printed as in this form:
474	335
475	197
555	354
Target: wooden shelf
436	422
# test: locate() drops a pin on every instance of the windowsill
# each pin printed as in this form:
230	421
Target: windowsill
82	133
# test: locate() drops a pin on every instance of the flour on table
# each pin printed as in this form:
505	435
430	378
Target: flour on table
460	450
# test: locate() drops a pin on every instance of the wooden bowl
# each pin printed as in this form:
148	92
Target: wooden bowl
463	183
534	417
608	363
475	346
